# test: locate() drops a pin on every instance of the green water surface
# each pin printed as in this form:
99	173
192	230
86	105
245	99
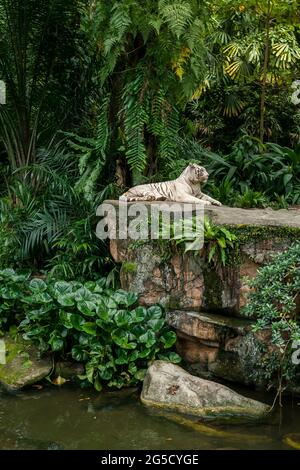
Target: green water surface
70	418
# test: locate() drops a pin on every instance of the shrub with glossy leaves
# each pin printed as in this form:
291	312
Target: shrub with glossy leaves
275	302
105	329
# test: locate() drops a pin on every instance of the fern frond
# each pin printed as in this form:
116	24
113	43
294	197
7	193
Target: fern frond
119	23
177	15
92	151
135	117
135	120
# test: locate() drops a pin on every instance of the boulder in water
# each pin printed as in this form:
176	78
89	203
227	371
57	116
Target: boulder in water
168	386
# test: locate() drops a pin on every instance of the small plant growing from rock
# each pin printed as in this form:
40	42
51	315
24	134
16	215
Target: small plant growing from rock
218	242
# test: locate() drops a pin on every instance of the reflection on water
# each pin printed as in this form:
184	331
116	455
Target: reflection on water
67	418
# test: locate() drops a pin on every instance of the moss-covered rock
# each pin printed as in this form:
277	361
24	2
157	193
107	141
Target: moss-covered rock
22	365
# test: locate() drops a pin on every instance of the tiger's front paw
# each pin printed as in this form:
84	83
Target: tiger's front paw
215	202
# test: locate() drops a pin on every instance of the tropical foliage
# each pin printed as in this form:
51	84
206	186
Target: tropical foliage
256	51
103	94
89	322
274	302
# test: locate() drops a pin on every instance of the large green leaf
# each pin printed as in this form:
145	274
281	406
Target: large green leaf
156	324
170	356
66	300
132	368
103	313
89	328
37	298
110	303
134	356
66	319
62	288
125	298
77	321
87	308
37	285
56	342
89	369
10	293
122	357
121	338
154	312
168	339
97	384
7	273
148	338
78	353
140	374
82	294
90	285
145	352
105	372
122	318
138	315
39	330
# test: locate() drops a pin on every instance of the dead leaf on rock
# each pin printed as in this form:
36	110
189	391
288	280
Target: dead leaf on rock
59	381
173	389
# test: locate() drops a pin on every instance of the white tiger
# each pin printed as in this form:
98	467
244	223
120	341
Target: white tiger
185	188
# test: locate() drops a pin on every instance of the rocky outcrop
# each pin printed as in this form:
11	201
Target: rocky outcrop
168	386
22	365
218	346
234	216
204	301
161	273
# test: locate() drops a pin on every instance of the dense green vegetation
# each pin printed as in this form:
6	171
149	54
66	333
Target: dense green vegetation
105	94
101	95
275	304
89	322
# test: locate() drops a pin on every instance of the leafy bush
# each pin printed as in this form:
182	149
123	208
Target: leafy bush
105	329
47	225
8	245
275	302
250	199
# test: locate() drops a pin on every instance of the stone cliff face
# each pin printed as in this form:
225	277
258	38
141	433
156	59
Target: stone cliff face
204	301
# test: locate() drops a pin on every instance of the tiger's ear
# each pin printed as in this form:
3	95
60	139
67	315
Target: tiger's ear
192	165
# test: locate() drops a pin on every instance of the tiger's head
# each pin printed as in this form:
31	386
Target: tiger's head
196	173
